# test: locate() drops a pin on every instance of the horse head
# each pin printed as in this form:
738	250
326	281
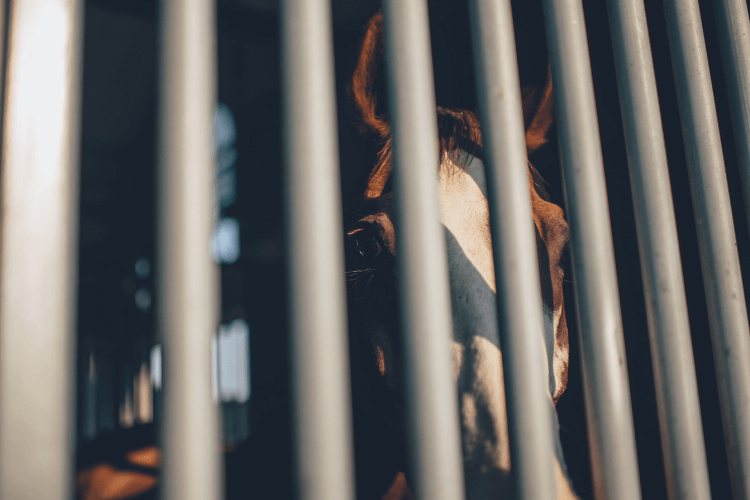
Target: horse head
375	332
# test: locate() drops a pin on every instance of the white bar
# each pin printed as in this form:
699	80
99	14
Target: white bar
733	25
187	277
431	393
666	306
41	140
608	411
319	343
530	421
725	297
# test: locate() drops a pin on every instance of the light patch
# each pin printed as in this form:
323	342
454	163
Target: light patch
551	323
458	358
550	327
40	77
145	457
380	360
471	431
465	213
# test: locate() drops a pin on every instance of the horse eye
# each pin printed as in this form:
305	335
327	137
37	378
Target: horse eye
370	251
359	247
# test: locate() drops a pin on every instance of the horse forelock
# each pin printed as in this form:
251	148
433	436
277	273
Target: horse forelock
459	137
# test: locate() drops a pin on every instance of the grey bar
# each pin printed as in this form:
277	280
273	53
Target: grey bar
727	313
666	306
608	410
530	422
734	32
319	362
187	278
40	176
423	277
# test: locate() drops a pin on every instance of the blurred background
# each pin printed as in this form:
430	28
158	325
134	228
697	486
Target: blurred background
119	357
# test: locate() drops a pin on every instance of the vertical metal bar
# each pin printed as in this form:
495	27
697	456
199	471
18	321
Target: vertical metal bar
187	278
41	143
530	422
423	275
319	362
733	26
609	415
666	305
727	313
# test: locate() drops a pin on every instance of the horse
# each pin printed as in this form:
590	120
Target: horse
376	355
260	467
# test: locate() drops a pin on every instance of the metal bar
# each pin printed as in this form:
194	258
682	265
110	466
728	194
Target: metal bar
733	26
319	362
41	142
666	305
423	275
187	278
530	422
727	313
608	410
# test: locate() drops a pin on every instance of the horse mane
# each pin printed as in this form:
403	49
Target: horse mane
458	129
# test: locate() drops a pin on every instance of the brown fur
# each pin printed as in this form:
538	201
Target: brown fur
106	482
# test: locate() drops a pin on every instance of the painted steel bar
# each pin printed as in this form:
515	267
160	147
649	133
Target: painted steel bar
530	421
187	277
727	313
431	391
608	410
733	26
661	267
319	362
40	175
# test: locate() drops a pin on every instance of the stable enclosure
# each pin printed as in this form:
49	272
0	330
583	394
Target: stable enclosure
177	177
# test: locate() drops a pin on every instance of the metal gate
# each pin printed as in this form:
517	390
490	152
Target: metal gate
40	158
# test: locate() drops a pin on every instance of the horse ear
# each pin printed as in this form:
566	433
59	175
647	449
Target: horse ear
367	79
538	112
